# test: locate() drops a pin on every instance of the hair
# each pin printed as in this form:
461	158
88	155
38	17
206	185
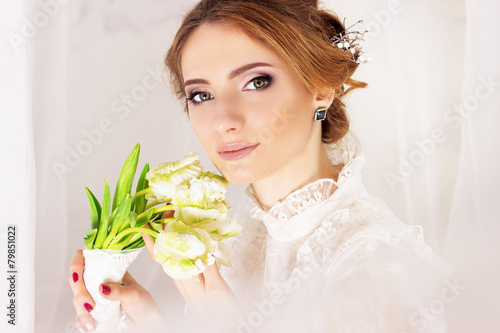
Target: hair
298	31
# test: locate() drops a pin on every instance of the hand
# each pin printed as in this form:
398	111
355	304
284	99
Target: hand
136	301
207	294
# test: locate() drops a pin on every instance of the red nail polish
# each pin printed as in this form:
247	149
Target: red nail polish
75	277
88	307
106	290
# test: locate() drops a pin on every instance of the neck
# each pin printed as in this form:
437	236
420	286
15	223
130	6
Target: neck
305	168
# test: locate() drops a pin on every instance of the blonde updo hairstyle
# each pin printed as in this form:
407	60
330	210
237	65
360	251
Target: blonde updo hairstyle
298	31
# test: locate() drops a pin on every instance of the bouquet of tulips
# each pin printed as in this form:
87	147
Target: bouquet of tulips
184	244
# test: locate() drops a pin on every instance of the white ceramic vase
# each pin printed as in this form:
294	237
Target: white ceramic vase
107	266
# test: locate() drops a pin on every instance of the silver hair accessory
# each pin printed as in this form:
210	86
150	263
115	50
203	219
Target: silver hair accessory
352	41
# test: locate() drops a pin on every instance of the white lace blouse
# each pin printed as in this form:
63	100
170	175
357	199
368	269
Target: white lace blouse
331	258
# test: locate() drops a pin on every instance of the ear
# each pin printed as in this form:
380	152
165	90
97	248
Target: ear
324	99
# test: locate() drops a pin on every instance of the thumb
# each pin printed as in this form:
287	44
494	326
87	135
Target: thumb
148	240
213	278
111	291
118	292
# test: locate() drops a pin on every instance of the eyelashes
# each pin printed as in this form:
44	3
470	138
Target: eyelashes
257	83
260	82
197	97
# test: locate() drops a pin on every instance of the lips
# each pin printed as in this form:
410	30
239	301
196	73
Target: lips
236	150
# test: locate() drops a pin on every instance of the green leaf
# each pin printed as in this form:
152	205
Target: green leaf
145	219
102	233
118	246
133	238
89	240
134	244
120	212
130	222
133	231
156	226
124	184
121	217
95	209
142	183
127	241
156	216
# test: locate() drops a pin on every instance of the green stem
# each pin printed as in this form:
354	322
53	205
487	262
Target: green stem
125	232
146	190
166	220
156	210
152	204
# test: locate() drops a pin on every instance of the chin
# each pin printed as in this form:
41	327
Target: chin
238	179
237	175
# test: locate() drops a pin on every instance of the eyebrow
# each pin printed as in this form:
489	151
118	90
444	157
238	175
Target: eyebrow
233	74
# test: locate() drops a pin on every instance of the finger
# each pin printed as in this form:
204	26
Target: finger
127	294
84	324
136	301
193	291
218	292
83	320
128	280
212	277
148	240
168	213
81	305
77	282
76	268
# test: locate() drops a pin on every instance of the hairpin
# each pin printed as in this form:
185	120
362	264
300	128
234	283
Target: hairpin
352	41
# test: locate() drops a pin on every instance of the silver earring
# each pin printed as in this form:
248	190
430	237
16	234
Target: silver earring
320	114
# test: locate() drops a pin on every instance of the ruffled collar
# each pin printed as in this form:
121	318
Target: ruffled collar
303	210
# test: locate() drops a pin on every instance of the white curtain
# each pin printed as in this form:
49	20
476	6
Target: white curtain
82	82
17	167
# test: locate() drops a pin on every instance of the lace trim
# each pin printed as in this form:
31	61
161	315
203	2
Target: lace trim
298	200
307	196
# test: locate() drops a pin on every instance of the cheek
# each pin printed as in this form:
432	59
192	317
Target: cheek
200	128
284	119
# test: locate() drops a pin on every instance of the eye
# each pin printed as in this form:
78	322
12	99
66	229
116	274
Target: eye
199	97
259	82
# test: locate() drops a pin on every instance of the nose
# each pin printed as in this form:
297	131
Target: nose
228	118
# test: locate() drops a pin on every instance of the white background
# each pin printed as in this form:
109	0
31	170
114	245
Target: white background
66	67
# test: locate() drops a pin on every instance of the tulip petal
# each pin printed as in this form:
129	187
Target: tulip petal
164	177
223	254
181	268
195	215
172	244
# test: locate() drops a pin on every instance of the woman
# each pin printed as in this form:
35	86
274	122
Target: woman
263	86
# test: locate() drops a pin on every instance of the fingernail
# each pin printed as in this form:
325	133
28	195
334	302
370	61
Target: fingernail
106	290
88	307
75	277
81	330
90	327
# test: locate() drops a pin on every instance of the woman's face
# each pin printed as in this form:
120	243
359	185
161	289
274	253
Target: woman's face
251	112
